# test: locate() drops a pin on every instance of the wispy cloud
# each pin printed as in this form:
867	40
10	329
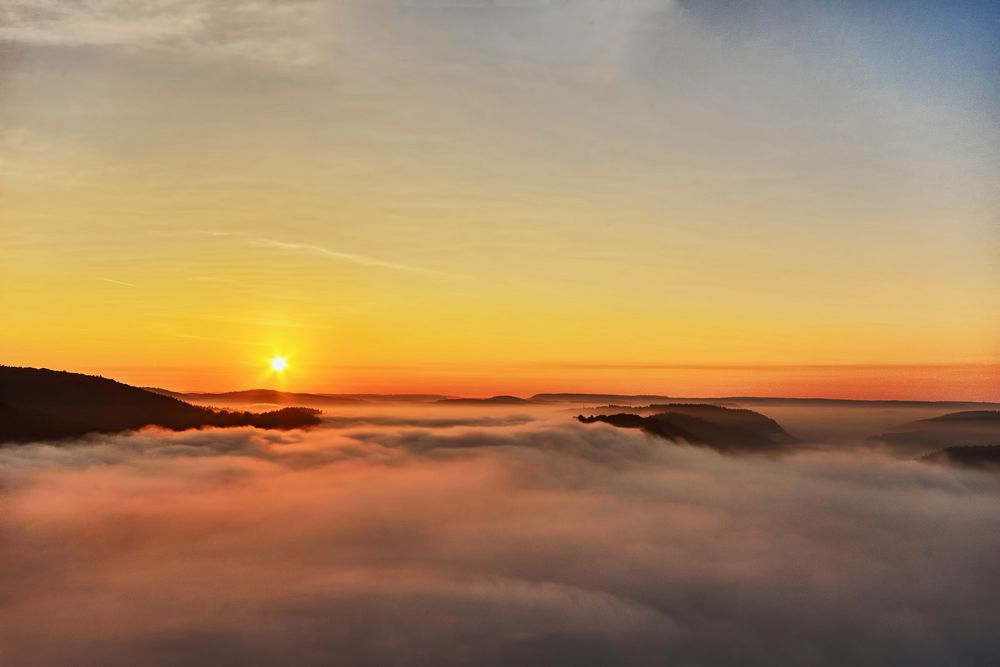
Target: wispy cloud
352	258
282	32
211	233
120	283
304	248
251	29
102	22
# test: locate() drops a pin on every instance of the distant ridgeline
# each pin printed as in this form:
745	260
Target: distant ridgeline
968	439
40	404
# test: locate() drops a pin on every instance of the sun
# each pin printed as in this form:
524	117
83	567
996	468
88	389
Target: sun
278	364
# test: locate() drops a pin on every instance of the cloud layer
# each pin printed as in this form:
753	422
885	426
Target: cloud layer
253	29
407	540
283	32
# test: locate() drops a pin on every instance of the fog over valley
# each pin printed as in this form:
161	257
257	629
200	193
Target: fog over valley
488	535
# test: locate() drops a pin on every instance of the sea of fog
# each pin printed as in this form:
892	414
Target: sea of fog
411	535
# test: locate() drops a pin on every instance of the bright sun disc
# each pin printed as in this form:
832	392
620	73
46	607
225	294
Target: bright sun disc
278	364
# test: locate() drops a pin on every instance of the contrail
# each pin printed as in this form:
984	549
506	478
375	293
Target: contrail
362	260
119	282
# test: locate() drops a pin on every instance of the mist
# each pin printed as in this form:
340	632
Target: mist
401	537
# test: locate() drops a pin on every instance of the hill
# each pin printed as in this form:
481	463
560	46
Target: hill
493	400
40	404
256	396
627	399
983	456
972	428
394	398
274	397
720	428
630	400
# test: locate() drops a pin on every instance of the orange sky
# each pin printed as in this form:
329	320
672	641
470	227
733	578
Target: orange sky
479	200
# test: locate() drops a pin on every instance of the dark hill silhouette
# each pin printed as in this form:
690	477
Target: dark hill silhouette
972	428
723	429
733	417
767	401
267	396
395	398
26	424
982	456
628	401
41	404
251	396
978	417
493	400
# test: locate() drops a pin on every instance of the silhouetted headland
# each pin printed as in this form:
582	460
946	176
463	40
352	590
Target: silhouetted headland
720	428
41	404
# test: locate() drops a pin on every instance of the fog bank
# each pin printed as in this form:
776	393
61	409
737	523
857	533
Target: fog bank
410	539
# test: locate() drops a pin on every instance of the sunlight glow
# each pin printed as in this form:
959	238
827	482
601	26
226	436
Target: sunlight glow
278	364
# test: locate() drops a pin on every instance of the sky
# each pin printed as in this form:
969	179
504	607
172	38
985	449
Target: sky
505	197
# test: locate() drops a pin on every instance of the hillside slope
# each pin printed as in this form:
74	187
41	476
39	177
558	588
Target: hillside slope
38	404
972	428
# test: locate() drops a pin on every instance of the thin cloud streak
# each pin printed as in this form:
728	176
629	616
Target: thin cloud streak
121	283
308	248
352	258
